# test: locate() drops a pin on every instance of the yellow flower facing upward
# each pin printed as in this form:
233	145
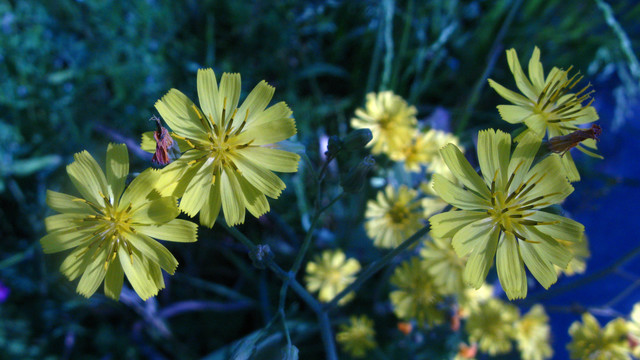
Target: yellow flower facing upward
423	151
548	105
392	217
231	150
444	265
330	273
391	120
357	337
533	334
112	229
491	325
590	341
417	296
501	212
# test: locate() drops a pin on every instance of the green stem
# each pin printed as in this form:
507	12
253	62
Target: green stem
376	266
493	56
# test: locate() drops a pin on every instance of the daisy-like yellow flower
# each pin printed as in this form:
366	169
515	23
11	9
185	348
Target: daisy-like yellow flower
418	295
501	212
231	151
581	253
391	120
634	330
393	216
423	151
357	337
330	273
533	334
112	229
548	105
590	341
492	326
444	265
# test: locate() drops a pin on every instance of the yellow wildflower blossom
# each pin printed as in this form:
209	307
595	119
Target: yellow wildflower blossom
491	325
471	298
590	341
444	265
501	212
330	273
533	333
357	337
423	151
232	150
418	295
548	105
391	120
392	217
112	229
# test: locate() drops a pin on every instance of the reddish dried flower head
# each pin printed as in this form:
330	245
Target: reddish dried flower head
562	144
163	143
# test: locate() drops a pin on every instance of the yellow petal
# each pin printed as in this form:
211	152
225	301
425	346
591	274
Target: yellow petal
472	237
230	89
157	211
272	159
536	73
561	228
61	240
274	113
232	197
262	179
548	248
88	178
462	170
255	201
537	124
148	142
494	150
267	133
208	94
457	196
522	82
257	101
93	275
197	191
481	259
113	281
209	212
569	167
509	95
67	204
447	224
176	230
514	114
175	177
550	181
154	251
137	274
540	268
511	268
521	160
64	221
180	114
117	168
75	264
138	191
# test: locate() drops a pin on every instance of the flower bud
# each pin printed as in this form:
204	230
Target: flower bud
260	256
357	139
355	179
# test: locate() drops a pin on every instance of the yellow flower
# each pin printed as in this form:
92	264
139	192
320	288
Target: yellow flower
444	265
533	333
471	298
231	151
580	251
112	229
357	337
492	326
392	217
501	212
634	330
590	341
391	120
423	150
548	105
330	273
417	296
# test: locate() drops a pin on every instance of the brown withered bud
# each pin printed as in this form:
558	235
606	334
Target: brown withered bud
405	327
163	143
467	351
562	144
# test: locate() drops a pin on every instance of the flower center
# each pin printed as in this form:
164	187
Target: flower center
398	214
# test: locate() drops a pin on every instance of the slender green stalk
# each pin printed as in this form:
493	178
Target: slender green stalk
376	266
493	56
389	8
404	42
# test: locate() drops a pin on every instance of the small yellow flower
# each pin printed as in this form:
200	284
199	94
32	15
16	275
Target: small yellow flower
501	212
330	273
391	120
471	298
423	151
393	216
548	105
492	326
580	251
444	265
590	341
112	229
533	333
357	337
417	296
231	151
634	330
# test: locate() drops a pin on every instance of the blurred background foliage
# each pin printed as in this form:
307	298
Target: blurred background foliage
76	75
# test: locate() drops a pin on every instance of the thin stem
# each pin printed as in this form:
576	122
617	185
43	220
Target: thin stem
493	56
376	266
327	336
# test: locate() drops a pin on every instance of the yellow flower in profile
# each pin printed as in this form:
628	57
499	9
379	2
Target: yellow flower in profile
491	325
423	151
634	330
112	229
330	273
393	216
444	265
501	212
391	120
581	253
590	341
231	150
357	337
533	334
548	105
417	296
